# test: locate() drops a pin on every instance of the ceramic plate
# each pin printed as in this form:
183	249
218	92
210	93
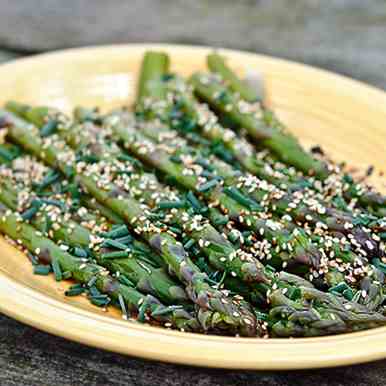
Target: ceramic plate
347	118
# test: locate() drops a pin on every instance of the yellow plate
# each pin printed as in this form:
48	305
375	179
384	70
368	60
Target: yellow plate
346	117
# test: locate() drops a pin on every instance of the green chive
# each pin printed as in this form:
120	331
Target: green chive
175	229
6	154
99	302
189	244
294	293
142	310
122	304
236	195
94	291
124	280
233	237
133	161
117	232
80	252
125	239
193	200
208	185
49	179
171	204
115	255
43	270
92	281
339	288
57	270
49	128
30	213
75	290
348	294
114	244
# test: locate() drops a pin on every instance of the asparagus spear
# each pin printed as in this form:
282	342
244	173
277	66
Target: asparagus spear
284	145
157	157
65	230
217	65
301	207
285	240
216	310
154	66
316	313
49	253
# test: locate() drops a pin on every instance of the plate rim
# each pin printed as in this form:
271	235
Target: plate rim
188	348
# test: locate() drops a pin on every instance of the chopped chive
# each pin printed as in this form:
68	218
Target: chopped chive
220	151
175	229
94	291
43	270
75	290
294	293
193	200
124	280
382	235
122	305
217	248
171	204
133	161
50	178
56	269
189	244
142	310
92	281
114	244
208	185
148	261
80	252
378	264
339	288
100	297
236	195
99	302
348	294
220	220
233	237
115	255
125	239
270	268
156	216
6	154
49	128
30	213
117	232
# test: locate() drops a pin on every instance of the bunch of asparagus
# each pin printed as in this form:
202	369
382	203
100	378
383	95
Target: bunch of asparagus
197	211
